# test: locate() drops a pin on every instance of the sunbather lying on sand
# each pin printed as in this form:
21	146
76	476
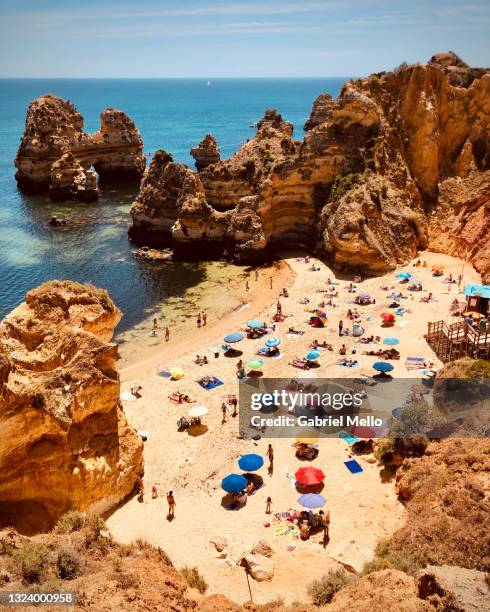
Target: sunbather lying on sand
298	362
208	381
297	332
348	363
315	344
180	398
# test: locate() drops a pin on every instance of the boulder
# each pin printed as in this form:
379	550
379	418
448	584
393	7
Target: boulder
206	153
262	547
261	568
219	543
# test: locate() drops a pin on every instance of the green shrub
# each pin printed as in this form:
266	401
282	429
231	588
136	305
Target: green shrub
386	558
194	579
31	561
71	521
128	580
341	185
68	562
323	589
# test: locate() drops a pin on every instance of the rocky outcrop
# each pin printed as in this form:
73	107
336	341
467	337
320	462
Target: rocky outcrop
373	181
65	442
320	111
206	153
453	588
70	181
53	129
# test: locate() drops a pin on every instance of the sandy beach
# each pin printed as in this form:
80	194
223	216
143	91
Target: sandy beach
363	507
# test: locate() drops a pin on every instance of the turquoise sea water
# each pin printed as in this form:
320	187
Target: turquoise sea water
173	114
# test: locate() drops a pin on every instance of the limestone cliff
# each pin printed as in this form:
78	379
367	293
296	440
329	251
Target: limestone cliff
53	129
398	162
64	440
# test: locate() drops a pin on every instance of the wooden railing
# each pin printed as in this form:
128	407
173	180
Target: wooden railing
458	340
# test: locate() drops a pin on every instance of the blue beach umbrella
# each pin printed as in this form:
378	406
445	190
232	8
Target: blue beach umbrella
234	337
251	462
312	500
272	342
383	366
313	354
234	483
391	341
404	275
255	323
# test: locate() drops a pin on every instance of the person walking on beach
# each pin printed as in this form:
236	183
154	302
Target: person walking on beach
204	318
341	326
256	275
270	454
167	334
270	281
155	323
199	320
171	505
154	492
223	412
247	287
234	403
325	521
268	505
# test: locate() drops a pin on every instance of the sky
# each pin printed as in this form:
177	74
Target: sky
234	38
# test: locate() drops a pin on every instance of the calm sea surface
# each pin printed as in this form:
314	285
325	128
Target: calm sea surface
173	114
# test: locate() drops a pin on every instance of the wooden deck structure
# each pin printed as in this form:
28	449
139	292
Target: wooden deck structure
455	340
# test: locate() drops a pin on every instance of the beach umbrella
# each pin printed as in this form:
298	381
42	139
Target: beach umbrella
404	275
272	342
383	366
177	373
255	364
387	316
311	440
313	354
198	411
250	462
312	500
255	323
234	483
391	341
234	337
309	476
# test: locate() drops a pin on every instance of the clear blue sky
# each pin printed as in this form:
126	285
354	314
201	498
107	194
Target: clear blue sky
185	38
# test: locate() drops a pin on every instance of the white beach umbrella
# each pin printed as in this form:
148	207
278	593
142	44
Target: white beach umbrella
198	411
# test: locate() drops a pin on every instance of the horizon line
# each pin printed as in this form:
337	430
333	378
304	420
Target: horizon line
159	78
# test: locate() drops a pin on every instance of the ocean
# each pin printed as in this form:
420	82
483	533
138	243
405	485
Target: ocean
172	114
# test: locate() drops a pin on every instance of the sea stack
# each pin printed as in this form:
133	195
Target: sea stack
65	442
206	153
54	129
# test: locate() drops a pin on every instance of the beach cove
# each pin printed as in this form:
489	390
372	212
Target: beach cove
363	507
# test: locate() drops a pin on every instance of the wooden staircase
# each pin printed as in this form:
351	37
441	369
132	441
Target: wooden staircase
457	340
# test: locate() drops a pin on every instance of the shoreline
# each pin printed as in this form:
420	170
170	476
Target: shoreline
260	297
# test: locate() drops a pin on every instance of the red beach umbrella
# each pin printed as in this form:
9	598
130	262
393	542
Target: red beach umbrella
309	476
387	316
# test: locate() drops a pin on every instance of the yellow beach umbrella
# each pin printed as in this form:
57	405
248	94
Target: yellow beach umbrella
177	373
306	440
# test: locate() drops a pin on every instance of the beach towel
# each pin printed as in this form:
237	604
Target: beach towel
164	374
344	435
353	466
415	359
127	396
217	384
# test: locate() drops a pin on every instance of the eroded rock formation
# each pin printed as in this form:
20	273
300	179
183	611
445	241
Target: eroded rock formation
206	153
374	180
64	440
320	111
54	129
